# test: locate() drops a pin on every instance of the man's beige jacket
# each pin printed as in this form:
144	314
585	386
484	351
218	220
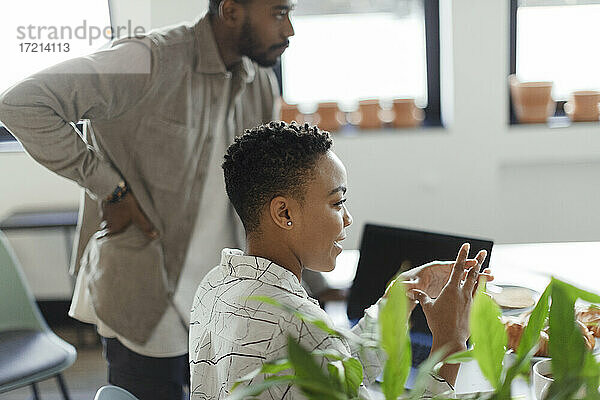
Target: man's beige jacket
155	104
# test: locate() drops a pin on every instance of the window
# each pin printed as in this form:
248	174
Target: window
556	40
349	50
39	33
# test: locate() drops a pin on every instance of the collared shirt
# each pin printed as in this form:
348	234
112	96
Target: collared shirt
156	106
170	337
231	336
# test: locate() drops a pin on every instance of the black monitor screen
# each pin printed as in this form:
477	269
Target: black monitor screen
385	251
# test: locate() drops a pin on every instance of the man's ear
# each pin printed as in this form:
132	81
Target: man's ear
231	12
280	210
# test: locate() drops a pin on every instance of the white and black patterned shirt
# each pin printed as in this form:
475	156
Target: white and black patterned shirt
231	336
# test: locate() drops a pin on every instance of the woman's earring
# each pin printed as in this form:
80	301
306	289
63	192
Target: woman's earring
289	223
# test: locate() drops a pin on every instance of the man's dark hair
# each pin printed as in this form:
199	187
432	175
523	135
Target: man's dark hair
268	161
213	5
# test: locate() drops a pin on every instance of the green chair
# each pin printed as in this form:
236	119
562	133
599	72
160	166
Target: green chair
29	351
113	393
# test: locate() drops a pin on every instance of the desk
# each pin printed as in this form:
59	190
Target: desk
530	265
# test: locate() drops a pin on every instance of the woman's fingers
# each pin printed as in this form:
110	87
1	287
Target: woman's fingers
487	275
481	257
420	296
459	265
471	280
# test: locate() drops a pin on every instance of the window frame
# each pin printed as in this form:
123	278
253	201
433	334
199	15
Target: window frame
433	114
560	104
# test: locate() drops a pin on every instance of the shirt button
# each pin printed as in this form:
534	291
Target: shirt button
227	75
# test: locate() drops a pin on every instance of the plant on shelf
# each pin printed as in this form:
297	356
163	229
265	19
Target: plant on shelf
573	365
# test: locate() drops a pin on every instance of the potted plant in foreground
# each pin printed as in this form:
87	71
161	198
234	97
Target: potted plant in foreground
575	370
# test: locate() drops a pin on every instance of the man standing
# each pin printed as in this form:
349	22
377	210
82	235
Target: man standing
162	109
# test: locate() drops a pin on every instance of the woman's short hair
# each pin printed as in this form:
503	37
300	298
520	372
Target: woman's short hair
268	161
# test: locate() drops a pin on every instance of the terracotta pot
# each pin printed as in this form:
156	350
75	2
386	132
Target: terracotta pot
329	117
406	114
370	114
290	113
583	106
532	101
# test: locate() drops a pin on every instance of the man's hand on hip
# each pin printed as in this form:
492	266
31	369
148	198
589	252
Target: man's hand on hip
116	217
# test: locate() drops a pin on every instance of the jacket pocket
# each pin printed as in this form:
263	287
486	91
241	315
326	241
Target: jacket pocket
128	283
163	153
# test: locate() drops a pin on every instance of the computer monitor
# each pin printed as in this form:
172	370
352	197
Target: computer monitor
385	251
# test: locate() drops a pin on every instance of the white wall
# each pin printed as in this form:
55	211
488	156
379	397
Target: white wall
479	176
156	13
27	185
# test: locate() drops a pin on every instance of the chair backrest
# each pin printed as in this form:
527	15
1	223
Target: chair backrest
18	309
113	393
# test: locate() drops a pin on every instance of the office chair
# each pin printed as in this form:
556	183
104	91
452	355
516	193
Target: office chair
113	393
29	351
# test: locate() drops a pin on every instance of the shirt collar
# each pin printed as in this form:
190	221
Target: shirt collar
208	59
236	264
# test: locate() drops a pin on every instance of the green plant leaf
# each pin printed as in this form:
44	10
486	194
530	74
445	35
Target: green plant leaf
276	366
528	345
353	375
427	367
566	347
563	390
577	293
329	354
460	357
266	299
242	392
395	342
322	325
591	375
531	334
396	372
306	318
345	373
488	336
521	366
311	379
267	368
304	364
337	374
317	391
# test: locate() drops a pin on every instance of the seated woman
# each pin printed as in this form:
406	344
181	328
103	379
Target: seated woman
288	187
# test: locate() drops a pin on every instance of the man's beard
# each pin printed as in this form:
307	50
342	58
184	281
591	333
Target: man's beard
249	47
